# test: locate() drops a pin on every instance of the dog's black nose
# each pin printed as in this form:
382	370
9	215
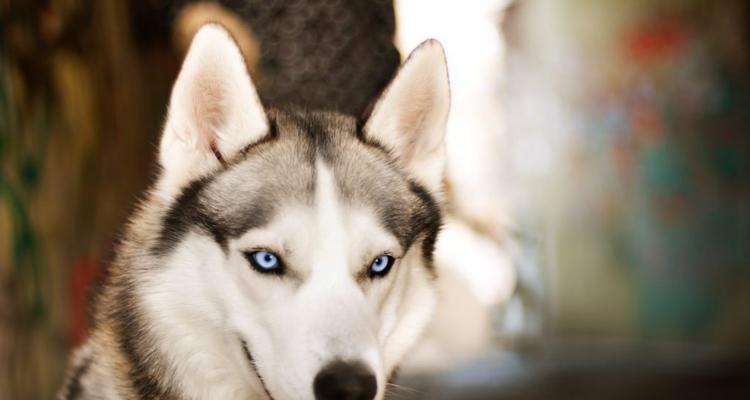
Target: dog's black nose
342	380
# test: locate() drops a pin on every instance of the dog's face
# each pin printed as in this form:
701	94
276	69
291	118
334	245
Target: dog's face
301	242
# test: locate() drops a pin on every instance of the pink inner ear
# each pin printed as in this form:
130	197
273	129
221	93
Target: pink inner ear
209	108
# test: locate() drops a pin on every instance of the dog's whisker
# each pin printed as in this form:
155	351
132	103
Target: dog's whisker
391	394
395	386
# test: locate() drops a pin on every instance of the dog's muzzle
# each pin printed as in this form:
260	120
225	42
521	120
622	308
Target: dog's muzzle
345	380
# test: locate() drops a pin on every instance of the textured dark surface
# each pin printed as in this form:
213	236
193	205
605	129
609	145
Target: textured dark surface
320	54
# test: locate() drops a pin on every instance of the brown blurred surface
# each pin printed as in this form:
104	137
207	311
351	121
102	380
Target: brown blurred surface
82	104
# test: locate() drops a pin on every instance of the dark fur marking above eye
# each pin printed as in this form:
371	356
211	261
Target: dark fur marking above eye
408	219
188	211
427	219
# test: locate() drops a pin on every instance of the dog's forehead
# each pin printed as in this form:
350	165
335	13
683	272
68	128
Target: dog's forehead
282	172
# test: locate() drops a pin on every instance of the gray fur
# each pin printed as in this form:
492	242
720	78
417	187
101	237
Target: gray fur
269	175
176	312
248	192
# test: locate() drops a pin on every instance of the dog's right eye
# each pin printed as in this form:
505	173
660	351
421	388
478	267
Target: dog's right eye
381	265
265	262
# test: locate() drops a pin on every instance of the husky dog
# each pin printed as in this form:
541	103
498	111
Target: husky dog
280	254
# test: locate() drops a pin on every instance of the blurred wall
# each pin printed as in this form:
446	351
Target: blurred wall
83	86
629	126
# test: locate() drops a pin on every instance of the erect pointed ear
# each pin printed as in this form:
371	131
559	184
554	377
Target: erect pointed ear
410	116
214	110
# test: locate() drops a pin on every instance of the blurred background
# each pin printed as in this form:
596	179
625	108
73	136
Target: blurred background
597	243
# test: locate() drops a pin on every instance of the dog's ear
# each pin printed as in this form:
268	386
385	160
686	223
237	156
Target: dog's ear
410	116
214	110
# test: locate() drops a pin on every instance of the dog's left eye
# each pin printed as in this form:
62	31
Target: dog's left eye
381	265
264	262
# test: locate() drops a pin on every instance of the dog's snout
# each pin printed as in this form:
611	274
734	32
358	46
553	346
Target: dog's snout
341	380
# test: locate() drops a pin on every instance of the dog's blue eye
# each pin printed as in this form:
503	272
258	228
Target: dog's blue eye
381	265
264	261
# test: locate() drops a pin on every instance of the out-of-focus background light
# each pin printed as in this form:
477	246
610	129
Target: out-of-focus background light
598	230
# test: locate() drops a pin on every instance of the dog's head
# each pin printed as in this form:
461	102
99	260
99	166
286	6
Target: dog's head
302	242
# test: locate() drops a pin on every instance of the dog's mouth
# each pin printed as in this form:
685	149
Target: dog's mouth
254	367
